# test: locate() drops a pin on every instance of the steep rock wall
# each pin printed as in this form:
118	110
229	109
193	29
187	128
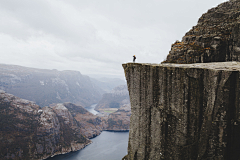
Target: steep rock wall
184	111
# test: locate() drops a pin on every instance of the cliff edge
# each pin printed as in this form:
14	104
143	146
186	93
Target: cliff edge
186	108
184	111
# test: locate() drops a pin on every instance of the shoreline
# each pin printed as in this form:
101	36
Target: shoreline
117	130
86	144
120	130
68	152
110	131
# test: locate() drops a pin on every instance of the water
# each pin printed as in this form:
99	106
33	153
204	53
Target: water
92	110
106	146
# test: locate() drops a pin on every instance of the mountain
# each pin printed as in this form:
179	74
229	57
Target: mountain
30	132
49	86
91	125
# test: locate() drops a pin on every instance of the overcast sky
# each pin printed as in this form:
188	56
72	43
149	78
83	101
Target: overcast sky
93	36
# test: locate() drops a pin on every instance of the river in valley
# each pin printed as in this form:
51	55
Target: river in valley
106	146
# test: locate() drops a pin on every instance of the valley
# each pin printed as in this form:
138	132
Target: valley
54	119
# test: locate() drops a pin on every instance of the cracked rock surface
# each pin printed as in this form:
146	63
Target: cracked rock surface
184	111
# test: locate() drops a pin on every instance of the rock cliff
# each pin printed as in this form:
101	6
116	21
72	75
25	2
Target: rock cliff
118	121
29	132
90	125
184	111
185	108
215	38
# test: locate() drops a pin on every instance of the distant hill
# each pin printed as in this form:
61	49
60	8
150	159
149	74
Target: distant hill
117	98
49	86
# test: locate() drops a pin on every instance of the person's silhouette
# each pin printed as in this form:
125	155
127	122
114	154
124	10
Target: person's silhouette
134	58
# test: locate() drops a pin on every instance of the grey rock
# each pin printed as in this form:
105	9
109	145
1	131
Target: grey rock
184	111
213	39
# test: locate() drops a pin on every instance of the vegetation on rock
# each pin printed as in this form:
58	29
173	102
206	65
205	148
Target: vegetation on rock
214	39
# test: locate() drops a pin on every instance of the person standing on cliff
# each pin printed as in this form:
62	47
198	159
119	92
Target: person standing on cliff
134	58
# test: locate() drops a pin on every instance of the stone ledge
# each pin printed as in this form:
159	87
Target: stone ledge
229	66
184	111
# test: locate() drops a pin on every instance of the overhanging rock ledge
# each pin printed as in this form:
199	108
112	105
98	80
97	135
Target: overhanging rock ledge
184	111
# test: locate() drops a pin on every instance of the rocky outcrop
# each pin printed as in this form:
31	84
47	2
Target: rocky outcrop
29	132
184	111
215	38
91	125
118	121
49	86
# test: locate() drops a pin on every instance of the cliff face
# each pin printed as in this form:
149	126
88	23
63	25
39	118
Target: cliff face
190	111
215	38
28	132
184	111
90	125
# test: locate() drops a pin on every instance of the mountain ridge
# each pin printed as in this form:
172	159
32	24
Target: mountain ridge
49	86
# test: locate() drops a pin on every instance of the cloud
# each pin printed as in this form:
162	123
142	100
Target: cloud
94	37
